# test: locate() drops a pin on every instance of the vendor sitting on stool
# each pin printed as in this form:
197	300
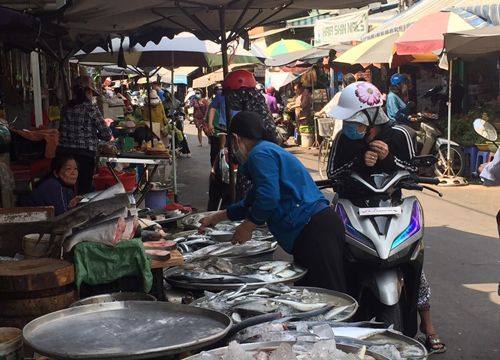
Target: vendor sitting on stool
58	188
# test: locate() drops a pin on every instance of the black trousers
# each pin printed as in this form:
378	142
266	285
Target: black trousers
214	148
320	249
86	169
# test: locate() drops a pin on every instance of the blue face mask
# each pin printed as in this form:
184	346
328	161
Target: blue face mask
350	130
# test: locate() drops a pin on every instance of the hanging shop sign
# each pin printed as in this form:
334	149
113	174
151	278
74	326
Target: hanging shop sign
341	28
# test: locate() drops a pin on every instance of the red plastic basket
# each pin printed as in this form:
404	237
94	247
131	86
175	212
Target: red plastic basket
104	179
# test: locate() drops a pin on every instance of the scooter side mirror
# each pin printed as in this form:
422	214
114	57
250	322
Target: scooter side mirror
424	161
485	130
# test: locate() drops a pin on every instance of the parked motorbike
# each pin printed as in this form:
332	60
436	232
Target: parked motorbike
430	141
384	241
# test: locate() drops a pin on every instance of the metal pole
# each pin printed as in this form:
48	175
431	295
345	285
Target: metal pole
149	109
37	88
225	71
64	74
448	156
174	160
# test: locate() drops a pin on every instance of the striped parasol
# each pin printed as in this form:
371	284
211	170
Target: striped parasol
285	46
427	34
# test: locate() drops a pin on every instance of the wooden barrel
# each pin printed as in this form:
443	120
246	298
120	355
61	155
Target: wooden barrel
32	288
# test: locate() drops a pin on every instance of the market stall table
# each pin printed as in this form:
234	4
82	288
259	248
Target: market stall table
157	266
149	161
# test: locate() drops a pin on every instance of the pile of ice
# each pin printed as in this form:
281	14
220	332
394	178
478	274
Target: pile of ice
322	350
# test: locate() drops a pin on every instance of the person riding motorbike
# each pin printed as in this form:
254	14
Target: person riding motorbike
398	110
368	144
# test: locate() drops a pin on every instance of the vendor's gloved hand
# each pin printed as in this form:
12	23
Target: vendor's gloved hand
370	158
243	232
380	148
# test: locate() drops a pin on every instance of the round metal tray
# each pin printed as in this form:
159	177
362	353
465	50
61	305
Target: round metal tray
171	219
218	286
125	330
272	345
395	338
330	297
118	296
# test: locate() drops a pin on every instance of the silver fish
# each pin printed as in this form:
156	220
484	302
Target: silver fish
300	306
285	274
336	311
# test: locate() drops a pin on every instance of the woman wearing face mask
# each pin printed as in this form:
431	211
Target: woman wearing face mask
284	196
57	189
200	108
82	125
368	144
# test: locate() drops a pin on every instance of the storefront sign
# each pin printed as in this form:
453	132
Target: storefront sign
341	28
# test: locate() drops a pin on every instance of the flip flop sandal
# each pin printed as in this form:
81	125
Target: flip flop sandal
433	344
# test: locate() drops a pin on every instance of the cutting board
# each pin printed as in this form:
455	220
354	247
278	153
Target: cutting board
37	306
35	274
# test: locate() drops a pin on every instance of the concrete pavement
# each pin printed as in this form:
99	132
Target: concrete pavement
462	259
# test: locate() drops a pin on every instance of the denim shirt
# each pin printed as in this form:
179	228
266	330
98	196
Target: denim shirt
283	194
397	110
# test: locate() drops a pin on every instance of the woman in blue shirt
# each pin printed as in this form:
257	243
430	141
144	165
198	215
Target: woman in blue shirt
58	189
397	109
285	197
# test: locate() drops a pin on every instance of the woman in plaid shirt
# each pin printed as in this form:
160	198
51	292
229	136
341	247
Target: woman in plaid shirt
82	125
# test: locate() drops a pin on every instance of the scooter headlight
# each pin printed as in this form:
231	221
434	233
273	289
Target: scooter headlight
413	228
351	230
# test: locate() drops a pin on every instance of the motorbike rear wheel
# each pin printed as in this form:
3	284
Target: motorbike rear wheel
457	161
391	315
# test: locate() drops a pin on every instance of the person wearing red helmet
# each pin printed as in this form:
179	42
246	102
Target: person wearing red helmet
241	95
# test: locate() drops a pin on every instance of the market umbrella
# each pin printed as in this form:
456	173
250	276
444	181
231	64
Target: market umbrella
286	46
311	54
426	35
380	50
184	49
151	19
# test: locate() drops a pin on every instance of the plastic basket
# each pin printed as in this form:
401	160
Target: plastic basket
326	126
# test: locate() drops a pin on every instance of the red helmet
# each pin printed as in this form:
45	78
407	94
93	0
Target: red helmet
238	79
270	90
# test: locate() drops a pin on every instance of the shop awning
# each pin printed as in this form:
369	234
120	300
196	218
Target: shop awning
487	9
216	76
279	79
473	42
308	21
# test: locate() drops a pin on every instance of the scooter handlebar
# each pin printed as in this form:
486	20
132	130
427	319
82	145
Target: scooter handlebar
427	180
324	183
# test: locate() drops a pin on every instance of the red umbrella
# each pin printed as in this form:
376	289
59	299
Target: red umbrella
427	34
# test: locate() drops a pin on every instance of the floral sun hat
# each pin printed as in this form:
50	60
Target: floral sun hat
356	97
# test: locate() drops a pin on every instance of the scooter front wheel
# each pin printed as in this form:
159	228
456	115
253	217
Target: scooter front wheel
391	315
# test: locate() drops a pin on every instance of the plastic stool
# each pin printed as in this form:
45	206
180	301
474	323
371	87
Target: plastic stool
470	154
482	157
